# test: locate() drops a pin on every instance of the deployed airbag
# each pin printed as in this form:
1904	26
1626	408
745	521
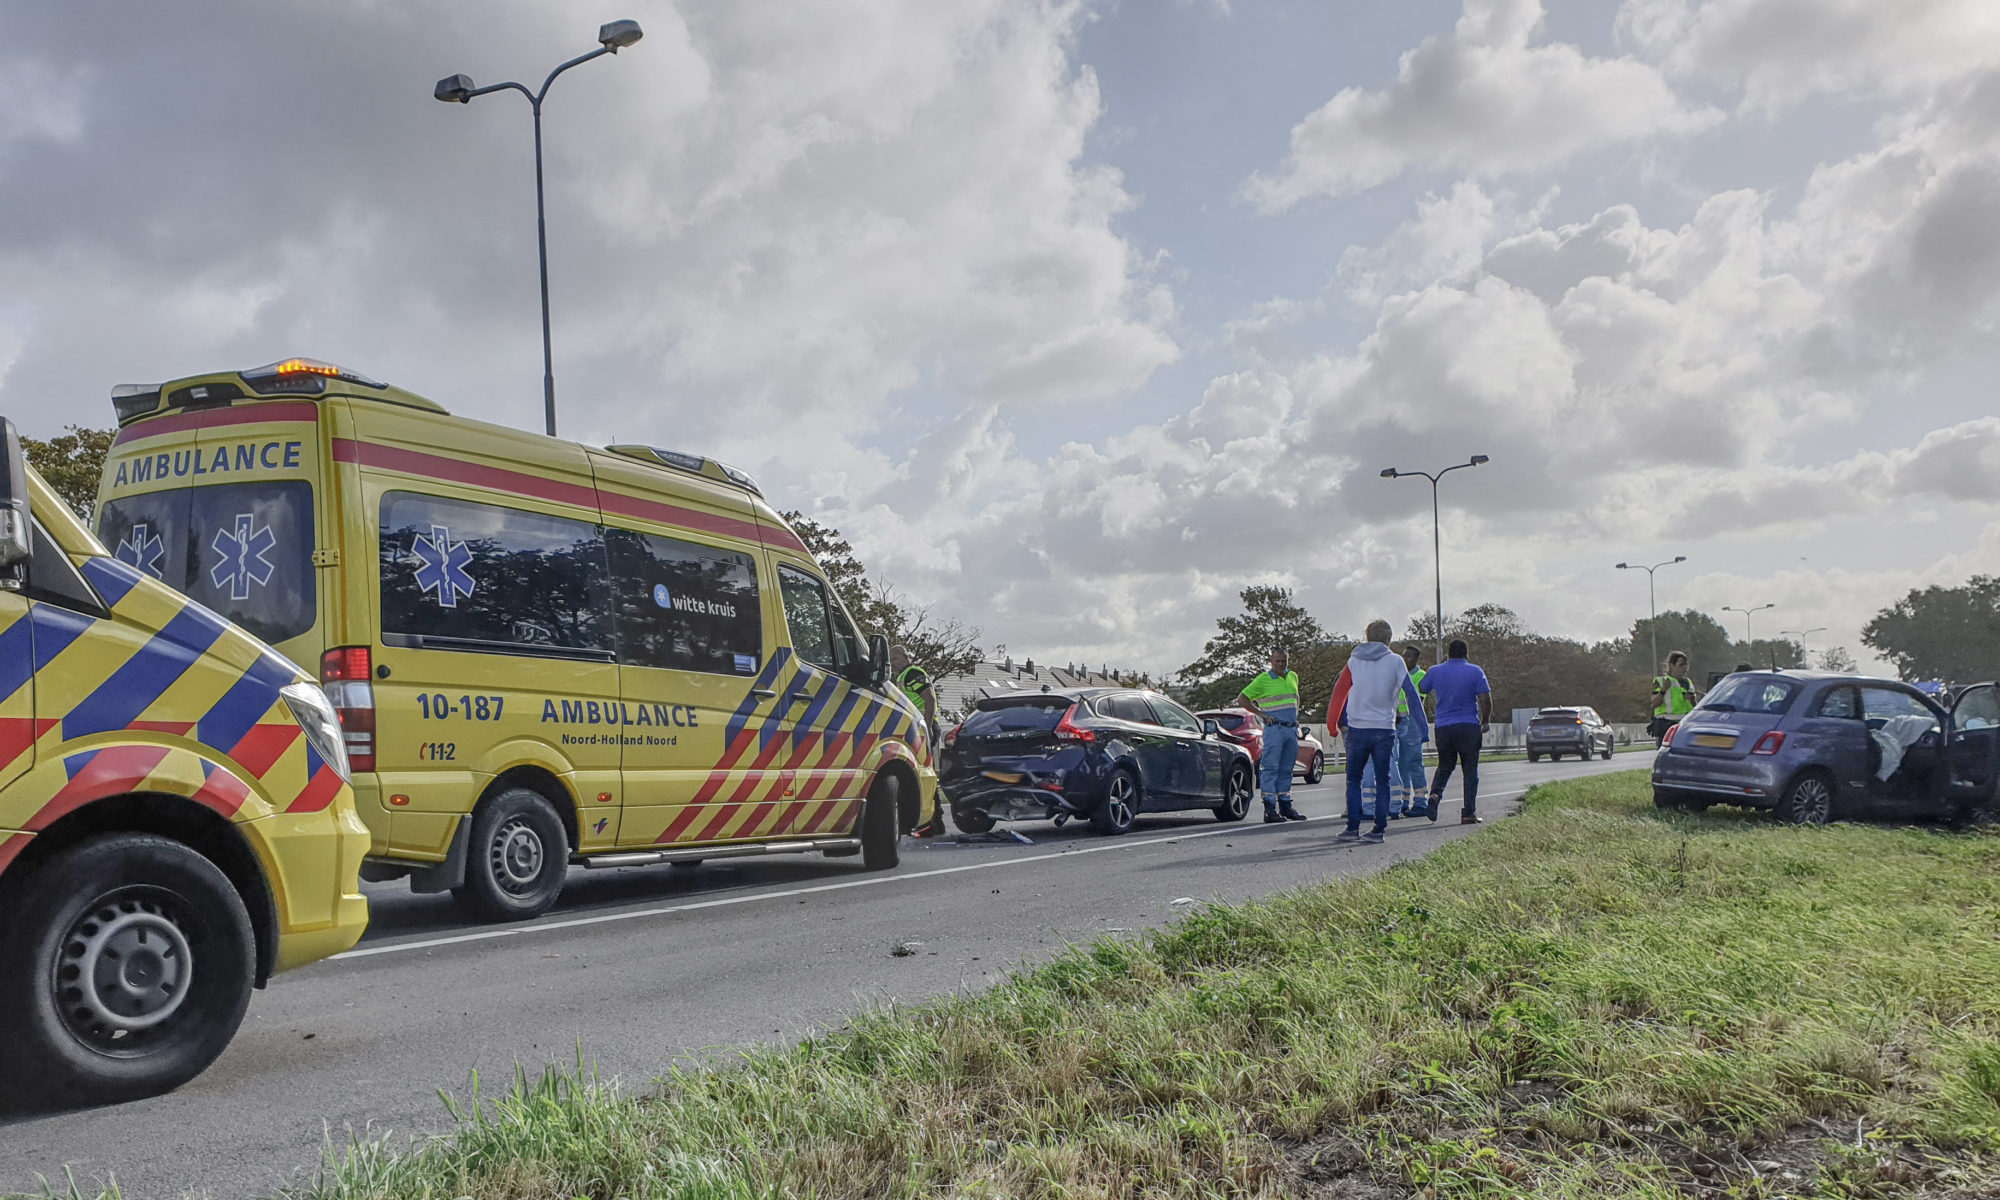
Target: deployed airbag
1895	738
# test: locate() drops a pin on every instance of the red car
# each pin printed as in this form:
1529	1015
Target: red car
1243	727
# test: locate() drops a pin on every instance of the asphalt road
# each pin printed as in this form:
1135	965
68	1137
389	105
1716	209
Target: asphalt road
640	965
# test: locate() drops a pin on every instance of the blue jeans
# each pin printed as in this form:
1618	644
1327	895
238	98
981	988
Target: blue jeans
1399	792
1274	769
1370	748
1410	757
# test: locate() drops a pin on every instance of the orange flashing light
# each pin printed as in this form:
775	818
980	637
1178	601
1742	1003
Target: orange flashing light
304	366
399	799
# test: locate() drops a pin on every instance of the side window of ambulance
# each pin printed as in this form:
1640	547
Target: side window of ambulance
485	577
683	606
243	550
806	616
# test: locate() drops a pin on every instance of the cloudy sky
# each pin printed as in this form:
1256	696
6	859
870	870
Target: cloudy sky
1078	317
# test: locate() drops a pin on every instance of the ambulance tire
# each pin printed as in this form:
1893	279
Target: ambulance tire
516	858
93	917
881	841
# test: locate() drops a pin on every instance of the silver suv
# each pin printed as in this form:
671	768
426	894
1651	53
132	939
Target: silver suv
1570	730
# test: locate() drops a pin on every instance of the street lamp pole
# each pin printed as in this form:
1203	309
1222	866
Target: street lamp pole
458	89
1652	605
1437	533
1803	635
1748	641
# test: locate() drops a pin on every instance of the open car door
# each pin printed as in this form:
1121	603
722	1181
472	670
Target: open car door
1974	754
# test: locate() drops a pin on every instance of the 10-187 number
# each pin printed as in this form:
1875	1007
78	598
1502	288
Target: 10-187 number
437	706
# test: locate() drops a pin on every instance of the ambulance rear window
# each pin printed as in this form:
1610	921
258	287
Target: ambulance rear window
241	549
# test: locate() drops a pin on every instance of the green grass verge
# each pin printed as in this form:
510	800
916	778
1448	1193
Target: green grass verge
1591	999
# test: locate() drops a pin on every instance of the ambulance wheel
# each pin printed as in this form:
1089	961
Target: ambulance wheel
127	970
880	839
515	859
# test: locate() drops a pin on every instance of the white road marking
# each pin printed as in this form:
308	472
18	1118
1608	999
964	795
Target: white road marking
786	893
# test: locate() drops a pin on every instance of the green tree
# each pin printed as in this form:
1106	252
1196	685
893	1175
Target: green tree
1837	659
1242	642
72	462
1706	643
1950	633
941	645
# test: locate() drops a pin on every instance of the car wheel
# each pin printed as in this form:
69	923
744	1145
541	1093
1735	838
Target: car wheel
516	858
126	970
1808	800
1606	753
1120	804
972	820
1534	757
1317	770
881	841
1236	795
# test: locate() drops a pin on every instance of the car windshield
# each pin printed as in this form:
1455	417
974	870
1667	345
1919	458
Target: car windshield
1751	694
1015	718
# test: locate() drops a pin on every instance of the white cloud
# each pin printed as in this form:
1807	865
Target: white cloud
1779	52
1483	100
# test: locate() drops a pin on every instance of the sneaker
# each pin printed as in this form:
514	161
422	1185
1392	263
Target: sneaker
1271	817
1394	815
1374	837
1348	835
1432	810
1470	819
1289	813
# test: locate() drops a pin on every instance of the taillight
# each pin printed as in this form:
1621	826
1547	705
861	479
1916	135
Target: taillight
1068	731
1770	743
1668	739
951	736
344	675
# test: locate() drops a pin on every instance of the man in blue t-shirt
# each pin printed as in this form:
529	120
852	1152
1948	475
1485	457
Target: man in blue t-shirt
1464	706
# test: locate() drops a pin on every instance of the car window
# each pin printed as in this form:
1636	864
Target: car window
1590	717
684	606
1128	708
1173	716
1752	694
806	616
454	570
242	549
1978	709
1014	718
1841	702
1882	704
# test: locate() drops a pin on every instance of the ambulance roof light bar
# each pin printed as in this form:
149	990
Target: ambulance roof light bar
299	370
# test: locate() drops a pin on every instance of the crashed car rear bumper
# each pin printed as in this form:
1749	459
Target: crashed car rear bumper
1746	782
1023	801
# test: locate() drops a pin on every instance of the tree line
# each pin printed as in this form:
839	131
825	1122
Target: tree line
1944	633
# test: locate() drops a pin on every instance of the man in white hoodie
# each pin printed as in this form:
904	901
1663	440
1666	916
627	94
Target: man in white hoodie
1364	704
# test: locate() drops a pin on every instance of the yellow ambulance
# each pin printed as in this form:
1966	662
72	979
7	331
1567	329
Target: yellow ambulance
175	819
543	654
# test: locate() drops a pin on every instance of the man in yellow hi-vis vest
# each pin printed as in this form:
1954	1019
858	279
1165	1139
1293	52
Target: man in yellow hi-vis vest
1274	696
1673	696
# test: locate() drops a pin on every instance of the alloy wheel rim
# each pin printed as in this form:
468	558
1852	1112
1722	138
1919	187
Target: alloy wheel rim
1239	794
1814	804
1121	801
122	970
517	856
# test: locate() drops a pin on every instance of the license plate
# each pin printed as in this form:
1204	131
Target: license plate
1715	741
1004	776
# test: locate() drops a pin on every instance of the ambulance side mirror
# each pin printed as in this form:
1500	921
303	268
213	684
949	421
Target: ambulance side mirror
878	660
16	544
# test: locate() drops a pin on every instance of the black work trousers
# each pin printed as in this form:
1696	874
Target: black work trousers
1458	745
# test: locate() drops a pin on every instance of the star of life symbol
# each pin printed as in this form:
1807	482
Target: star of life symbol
245	556
441	565
144	549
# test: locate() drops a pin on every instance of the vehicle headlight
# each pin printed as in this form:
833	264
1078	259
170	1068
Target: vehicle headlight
315	715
